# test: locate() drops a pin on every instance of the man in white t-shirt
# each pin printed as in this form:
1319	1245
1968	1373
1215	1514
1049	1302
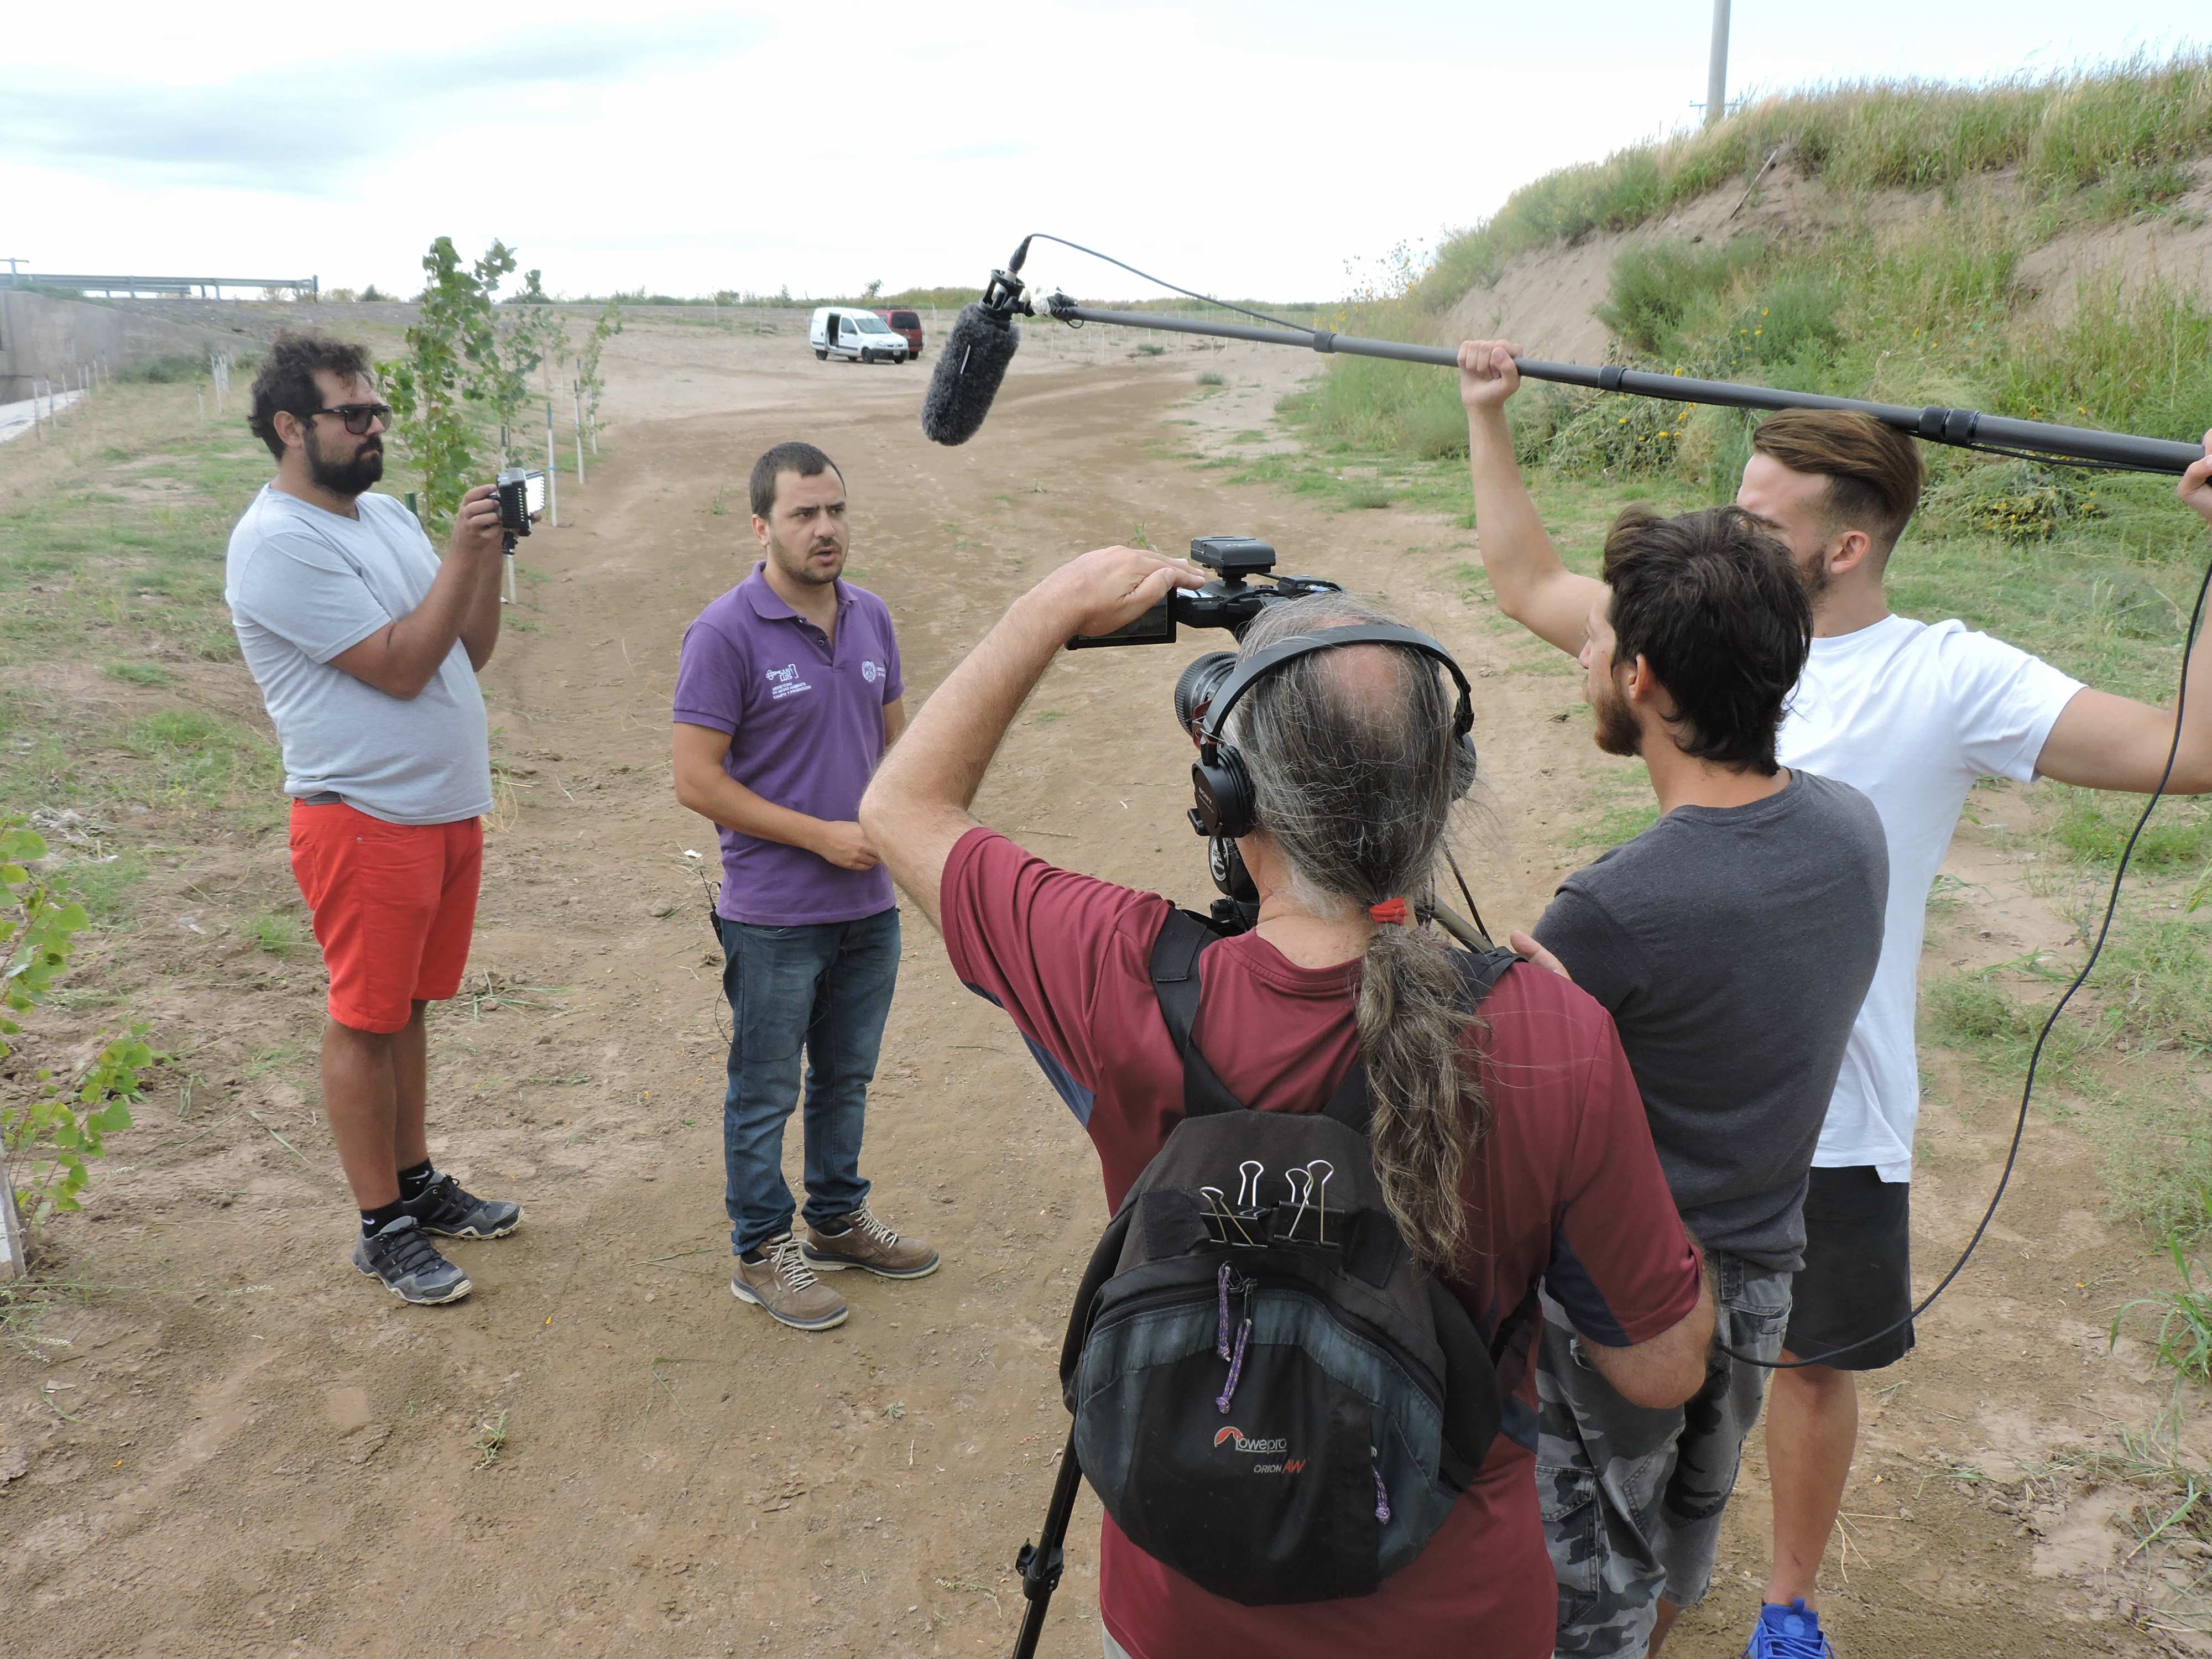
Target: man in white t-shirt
1911	714
365	644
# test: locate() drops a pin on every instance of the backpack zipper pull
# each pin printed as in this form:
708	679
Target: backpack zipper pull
1243	1285
1382	1496
1221	1336
1235	1367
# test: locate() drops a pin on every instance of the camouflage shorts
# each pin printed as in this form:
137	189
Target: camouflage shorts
1633	1497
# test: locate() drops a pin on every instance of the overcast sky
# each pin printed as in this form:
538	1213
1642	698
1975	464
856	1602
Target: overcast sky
1237	146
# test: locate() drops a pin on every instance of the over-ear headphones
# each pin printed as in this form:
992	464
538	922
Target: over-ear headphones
1224	802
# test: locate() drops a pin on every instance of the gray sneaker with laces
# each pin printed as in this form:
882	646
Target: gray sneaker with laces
862	1241
781	1283
446	1207
402	1255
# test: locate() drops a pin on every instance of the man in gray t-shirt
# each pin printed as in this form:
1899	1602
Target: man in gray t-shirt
1732	942
365	645
1732	945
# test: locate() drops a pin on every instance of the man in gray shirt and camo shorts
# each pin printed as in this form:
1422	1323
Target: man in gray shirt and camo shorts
365	645
1732	942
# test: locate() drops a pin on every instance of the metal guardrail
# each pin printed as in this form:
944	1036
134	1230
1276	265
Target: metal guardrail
205	287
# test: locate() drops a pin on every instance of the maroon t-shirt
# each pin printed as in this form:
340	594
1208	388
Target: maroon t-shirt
1564	1185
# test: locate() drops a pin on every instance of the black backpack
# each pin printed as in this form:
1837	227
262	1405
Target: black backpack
1270	1396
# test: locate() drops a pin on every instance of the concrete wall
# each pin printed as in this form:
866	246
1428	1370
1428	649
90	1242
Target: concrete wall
43	336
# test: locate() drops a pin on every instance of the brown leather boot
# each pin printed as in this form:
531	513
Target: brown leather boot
782	1282
864	1242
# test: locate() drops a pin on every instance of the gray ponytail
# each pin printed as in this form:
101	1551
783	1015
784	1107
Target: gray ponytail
1354	778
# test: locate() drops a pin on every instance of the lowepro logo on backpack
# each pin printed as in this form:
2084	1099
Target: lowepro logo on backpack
1259	1447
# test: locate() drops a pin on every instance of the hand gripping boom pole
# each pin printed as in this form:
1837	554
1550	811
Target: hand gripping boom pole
1967	429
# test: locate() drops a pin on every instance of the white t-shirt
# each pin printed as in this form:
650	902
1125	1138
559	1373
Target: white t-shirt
304	586
1911	714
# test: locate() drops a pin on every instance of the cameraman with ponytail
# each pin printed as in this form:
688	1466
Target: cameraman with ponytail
1511	1146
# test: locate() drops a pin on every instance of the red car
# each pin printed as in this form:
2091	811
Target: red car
905	322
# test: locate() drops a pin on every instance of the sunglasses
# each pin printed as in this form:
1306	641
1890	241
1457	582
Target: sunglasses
357	416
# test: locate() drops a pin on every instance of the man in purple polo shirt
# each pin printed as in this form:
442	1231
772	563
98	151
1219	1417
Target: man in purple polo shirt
786	696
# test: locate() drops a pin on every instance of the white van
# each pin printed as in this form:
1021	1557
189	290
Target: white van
857	335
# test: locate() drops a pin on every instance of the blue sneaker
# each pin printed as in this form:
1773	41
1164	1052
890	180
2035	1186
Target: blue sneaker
1791	1632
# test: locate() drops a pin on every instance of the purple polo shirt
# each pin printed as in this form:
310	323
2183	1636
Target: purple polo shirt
805	721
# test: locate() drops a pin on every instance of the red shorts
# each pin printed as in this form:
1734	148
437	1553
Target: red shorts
393	905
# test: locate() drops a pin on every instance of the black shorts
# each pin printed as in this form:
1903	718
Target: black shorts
1857	1276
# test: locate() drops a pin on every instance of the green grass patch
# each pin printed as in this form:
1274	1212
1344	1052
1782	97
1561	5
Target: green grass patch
1978	1018
104	887
2182	1335
276	931
139	673
2155	982
1615	825
2095	827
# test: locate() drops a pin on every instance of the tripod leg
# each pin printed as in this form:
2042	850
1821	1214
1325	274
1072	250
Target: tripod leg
1039	1564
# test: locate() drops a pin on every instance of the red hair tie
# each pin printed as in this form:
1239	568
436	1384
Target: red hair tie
1388	911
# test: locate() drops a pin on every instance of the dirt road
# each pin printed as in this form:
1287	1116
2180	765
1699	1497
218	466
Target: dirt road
252	1451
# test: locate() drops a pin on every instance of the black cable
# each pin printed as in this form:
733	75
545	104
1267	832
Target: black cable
1473	910
2027	1090
1187	293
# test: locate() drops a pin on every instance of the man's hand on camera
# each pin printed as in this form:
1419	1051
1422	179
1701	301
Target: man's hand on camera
1487	375
844	845
1110	587
2195	485
476	526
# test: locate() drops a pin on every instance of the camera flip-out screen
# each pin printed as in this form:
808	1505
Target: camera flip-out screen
1155	626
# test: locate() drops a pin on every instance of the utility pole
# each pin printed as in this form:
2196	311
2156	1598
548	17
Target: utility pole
1717	73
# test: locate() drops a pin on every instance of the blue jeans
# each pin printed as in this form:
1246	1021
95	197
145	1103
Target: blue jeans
825	989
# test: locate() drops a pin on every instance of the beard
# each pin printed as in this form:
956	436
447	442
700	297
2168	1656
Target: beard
799	564
351	476
1813	578
1616	732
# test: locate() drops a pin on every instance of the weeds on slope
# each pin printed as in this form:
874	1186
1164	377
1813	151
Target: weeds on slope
2115	134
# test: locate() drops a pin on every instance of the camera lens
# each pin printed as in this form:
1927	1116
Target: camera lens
1195	686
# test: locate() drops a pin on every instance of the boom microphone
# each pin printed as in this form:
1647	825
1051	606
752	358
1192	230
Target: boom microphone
983	339
970	365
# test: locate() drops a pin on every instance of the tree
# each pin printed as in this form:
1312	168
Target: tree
49	1125
452	360
588	382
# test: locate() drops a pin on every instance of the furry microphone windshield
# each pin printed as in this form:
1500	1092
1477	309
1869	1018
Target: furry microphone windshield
970	365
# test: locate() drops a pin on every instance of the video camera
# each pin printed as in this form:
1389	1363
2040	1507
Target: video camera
1229	601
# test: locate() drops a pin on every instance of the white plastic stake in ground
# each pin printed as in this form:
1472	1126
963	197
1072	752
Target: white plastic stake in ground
507	582
12	1265
580	433
552	474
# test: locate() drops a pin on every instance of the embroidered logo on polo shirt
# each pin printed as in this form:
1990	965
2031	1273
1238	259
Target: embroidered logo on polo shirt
870	671
784	681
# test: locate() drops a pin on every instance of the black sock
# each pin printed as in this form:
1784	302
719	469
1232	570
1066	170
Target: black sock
375	1220
414	1182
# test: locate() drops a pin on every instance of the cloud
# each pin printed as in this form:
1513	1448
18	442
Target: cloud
309	129
1002	152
